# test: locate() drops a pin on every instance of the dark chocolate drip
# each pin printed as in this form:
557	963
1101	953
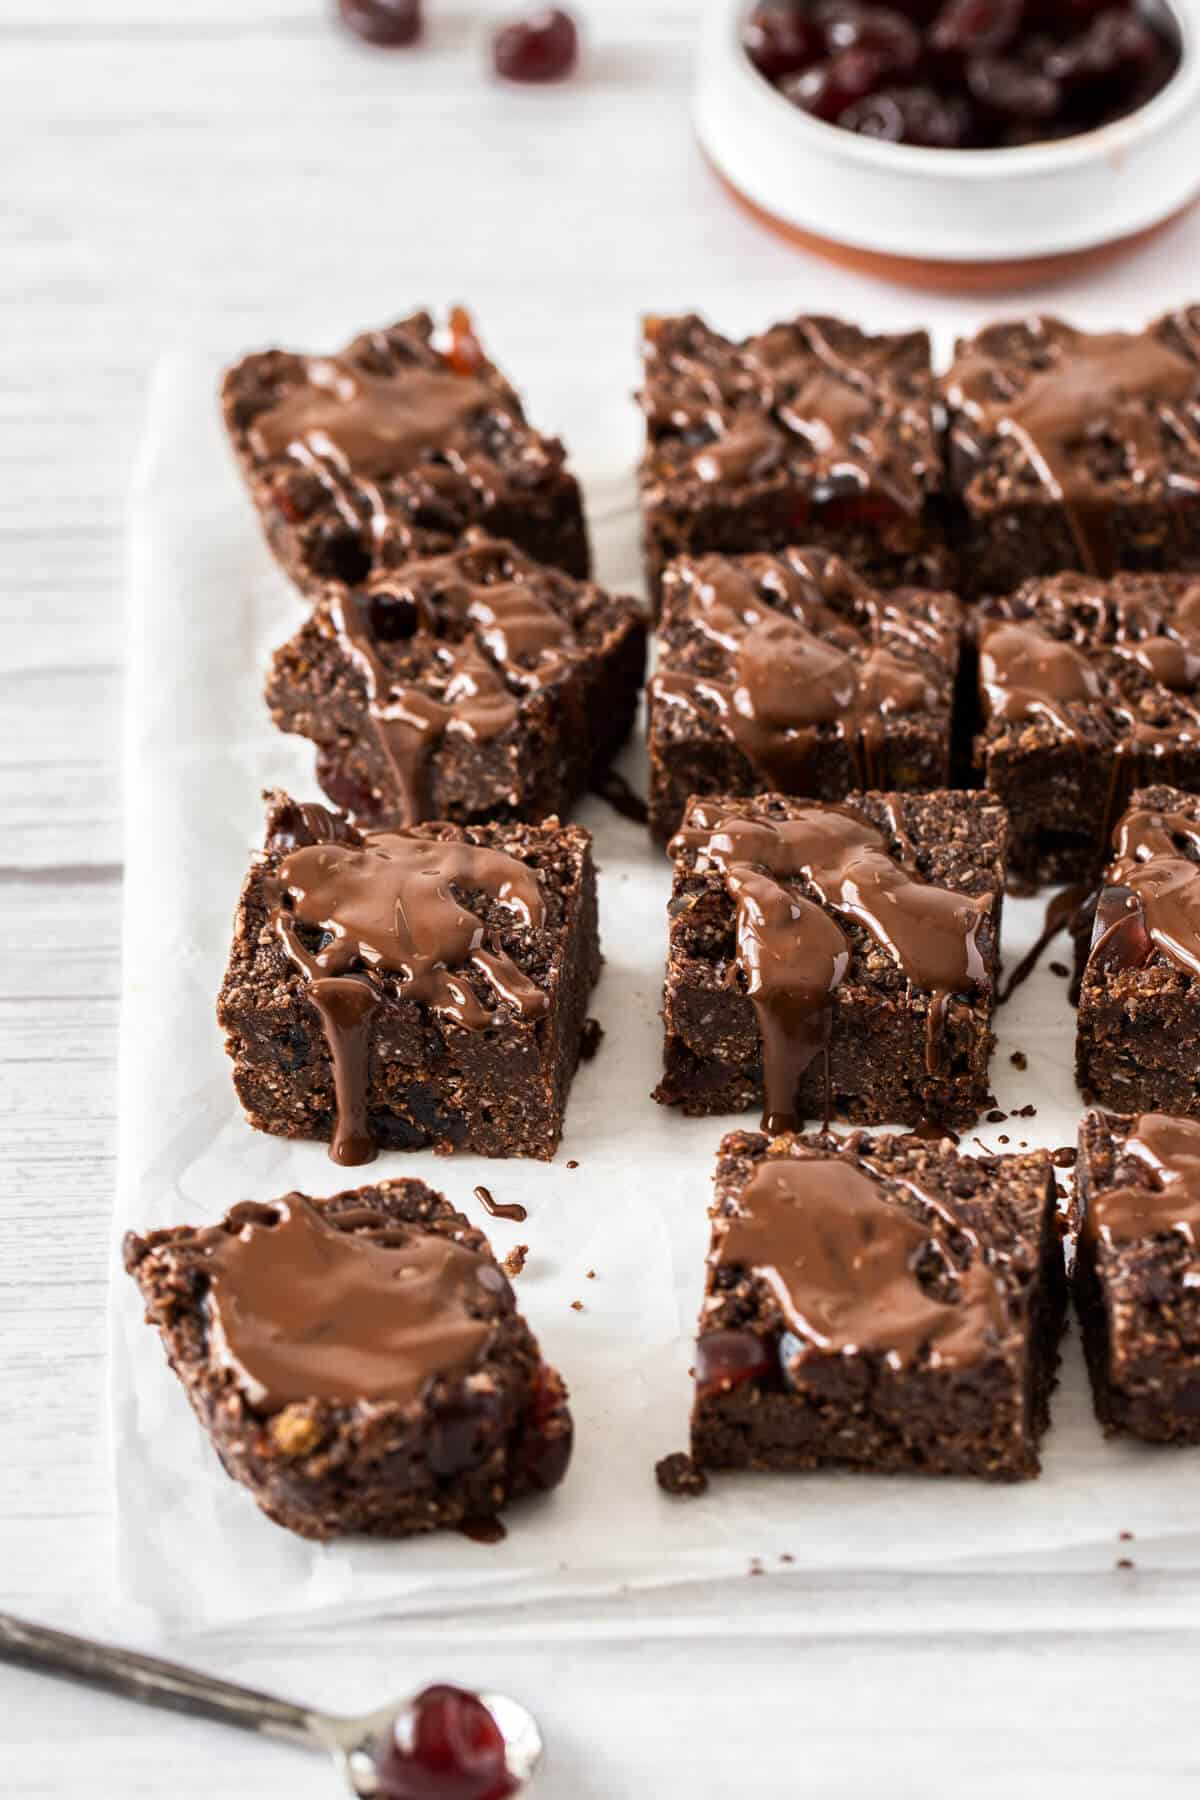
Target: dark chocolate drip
613	787
488	642
793	956
1026	673
1126	386
788	682
302	1311
786	388
1152	900
841	1259
370	424
1062	910
1168	1149
500	1209
484	1531
390	904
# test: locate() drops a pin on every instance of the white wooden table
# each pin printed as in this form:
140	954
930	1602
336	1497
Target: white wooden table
225	173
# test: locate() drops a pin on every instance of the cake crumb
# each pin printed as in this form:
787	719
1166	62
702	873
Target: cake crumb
996	1117
577	1306
1019	1060
591	1274
786	1556
589	1039
1126	1537
756	1567
514	1262
1002	1138
1025	1112
1126	1562
677	1474
1057	968
572	1164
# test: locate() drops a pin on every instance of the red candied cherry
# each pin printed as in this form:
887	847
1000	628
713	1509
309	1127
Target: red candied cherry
725	1359
1012	90
449	1747
828	88
781	40
888	34
390	23
543	47
976	27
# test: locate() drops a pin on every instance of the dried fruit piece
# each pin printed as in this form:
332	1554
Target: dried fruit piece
829	87
725	1359
976	27
388	23
542	47
781	40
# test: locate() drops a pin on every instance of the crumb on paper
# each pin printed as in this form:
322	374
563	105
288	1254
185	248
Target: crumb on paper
1058	968
572	1164
1019	1060
1003	1138
756	1567
996	1117
514	1262
1025	1112
577	1306
1126	1537
1126	1562
590	1039
786	1556
591	1274
678	1475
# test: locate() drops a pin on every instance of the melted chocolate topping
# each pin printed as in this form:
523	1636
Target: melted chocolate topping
1026	673
490	642
1130	387
788	682
793	956
841	1260
390	905
1152	897
1169	1150
369	424
500	1209
302	1311
787	393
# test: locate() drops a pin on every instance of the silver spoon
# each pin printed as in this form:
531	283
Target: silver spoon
354	1743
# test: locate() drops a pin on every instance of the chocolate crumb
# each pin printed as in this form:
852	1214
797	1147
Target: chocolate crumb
577	1306
1126	1537
756	1567
786	1556
572	1164
514	1262
996	1117
1019	1060
677	1474
1025	1112
589	1039
591	1274
1002	1138
1057	968
1064	1157
1126	1562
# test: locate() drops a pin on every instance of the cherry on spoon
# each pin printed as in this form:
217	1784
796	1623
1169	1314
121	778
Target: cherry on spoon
443	1744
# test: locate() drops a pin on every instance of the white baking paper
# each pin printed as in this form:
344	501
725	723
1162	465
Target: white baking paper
624	1233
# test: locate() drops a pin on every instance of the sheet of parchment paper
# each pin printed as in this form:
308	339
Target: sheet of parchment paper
624	1233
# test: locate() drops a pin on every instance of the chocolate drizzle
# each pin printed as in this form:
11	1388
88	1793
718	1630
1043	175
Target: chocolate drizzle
801	669
1168	1151
300	1310
1114	391
485	641
390	905
854	1272
1151	900
500	1209
745	412
793	956
1026	673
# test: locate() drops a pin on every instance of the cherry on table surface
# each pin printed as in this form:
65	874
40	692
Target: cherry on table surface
447	1747
388	23
542	47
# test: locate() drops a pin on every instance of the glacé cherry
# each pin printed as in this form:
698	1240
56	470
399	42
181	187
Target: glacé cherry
542	47
389	23
449	1748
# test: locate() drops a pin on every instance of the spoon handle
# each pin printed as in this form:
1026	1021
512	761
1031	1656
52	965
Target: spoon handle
156	1683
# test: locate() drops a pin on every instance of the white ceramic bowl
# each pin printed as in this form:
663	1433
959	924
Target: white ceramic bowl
980	209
